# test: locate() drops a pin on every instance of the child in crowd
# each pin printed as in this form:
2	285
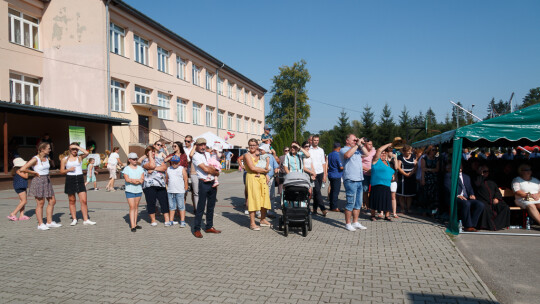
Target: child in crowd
177	184
20	183
264	161
213	161
91	173
134	177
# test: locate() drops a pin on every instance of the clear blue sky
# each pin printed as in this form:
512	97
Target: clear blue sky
414	53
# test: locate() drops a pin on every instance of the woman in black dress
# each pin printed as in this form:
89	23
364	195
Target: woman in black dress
429	181
406	167
496	213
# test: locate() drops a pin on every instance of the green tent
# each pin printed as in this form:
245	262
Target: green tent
518	128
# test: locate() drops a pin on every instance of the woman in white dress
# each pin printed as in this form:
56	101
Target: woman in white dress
527	191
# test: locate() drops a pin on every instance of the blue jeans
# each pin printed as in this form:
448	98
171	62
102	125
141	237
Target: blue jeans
366	182
176	201
335	185
207	198
353	190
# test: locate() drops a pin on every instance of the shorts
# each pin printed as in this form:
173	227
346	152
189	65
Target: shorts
74	184
353	191
20	190
393	187
112	171
366	182
176	201
133	195
90	179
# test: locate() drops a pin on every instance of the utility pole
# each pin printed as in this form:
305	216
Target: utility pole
294	114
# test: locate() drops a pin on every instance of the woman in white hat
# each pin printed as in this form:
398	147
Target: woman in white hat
71	165
41	186
134	177
20	184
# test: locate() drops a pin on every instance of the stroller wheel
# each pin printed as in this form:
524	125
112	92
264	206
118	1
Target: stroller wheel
304	230
280	227
310	223
286	230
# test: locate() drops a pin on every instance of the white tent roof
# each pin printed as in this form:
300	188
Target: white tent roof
212	138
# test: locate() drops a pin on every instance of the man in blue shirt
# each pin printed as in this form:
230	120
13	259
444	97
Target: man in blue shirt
335	171
228	157
352	179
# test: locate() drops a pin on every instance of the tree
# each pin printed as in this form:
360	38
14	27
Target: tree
533	97
497	108
458	115
404	123
431	119
343	128
386	128
368	123
281	113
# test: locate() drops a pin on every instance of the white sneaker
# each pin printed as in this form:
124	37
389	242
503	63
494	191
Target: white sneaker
154	224
73	223
89	222
168	224
42	227
174	223
350	227
246	212
359	226
54	224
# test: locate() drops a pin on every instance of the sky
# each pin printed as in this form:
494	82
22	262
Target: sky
417	54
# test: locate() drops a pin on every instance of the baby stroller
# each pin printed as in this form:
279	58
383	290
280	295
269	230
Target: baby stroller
295	203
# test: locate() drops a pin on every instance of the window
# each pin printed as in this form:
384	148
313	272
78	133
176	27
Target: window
196	114
238	123
181	110
252	127
23	29
245	97
196	75
181	68
141	50
258	128
116	39
230	118
238	91
118	96
220	86
163	101
246	125
209	116
220	119
24	89
162	60
229	90
252	101
208	81
142	95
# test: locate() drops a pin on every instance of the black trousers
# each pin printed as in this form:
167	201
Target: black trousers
207	198
469	212
317	196
159	193
335	187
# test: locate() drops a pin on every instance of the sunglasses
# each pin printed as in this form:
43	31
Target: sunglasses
286	150
159	145
485	171
306	146
74	149
253	145
187	141
525	170
132	159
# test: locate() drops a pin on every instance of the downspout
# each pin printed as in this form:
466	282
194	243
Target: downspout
107	37
217	98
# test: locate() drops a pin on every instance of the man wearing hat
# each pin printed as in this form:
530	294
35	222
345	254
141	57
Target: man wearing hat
207	193
266	137
335	172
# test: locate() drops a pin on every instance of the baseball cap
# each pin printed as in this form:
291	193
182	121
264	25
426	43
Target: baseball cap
133	155
265	148
337	145
175	159
200	141
267	127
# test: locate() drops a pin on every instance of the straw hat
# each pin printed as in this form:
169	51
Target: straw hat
398	143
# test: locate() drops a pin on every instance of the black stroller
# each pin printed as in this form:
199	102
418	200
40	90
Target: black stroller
295	203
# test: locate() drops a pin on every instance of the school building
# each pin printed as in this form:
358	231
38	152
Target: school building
127	79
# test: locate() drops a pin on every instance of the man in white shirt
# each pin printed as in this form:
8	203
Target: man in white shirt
207	193
319	164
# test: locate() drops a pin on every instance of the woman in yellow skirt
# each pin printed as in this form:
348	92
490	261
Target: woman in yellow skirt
257	189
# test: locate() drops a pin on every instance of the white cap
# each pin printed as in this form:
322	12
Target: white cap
19	162
133	155
265	148
217	146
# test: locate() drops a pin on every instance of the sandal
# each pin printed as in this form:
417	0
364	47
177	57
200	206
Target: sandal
264	225
387	219
12	218
256	228
24	218
373	218
396	216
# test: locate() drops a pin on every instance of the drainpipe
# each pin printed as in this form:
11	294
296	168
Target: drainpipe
217	98
107	38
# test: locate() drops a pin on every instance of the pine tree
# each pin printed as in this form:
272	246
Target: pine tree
368	123
386	128
343	128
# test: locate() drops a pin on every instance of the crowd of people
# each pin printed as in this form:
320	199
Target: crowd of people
374	180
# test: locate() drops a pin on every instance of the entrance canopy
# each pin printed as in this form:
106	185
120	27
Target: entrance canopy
518	128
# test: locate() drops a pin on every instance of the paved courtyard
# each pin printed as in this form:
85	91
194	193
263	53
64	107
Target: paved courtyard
406	261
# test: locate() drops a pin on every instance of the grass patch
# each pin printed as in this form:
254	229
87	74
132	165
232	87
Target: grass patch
229	171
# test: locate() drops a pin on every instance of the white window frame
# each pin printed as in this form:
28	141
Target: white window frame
252	100
209	116
181	65
25	89
140	53
162	60
238	123
117	36
245	97
252	126
220	86
230	90
230	121
30	40
209	77
238	93
196	75
197	113
142	95
181	110
220	120
246	125
118	96
164	102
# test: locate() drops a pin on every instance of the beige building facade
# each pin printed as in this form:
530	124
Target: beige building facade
140	80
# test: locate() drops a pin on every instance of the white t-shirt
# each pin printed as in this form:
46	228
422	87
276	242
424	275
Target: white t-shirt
199	158
188	150
175	182
113	159
308	162
532	186
318	159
